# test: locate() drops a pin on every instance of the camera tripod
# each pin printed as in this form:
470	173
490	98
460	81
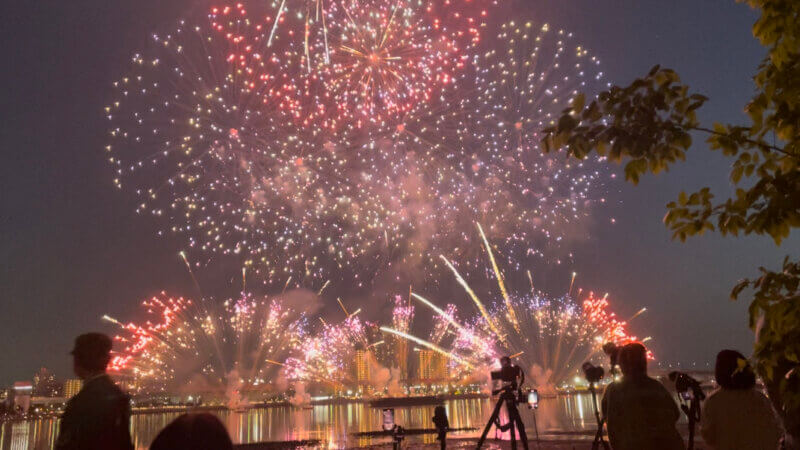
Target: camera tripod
692	410
598	437
689	390
693	413
509	397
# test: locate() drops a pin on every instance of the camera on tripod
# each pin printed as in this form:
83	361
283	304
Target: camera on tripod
506	374
507	378
687	387
507	382
592	373
692	393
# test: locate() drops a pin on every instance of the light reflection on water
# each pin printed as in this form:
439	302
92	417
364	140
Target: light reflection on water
333	424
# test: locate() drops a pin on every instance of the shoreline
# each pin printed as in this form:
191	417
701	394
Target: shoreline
489	444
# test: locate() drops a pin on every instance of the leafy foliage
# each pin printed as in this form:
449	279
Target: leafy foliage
775	310
648	126
775	315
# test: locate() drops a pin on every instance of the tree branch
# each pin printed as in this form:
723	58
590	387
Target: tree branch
758	143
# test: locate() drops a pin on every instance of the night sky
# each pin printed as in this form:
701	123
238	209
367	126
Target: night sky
72	249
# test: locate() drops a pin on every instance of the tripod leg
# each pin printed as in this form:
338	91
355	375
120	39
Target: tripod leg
514	416
491	421
598	439
513	428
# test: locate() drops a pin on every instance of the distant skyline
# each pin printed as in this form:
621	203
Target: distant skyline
72	248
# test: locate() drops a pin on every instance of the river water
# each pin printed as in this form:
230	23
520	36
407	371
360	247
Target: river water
334	425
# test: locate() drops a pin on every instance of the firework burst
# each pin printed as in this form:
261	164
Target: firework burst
550	336
207	346
530	200
250	146
478	138
387	60
206	131
314	22
328	355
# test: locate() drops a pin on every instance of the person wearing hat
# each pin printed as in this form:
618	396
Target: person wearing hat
97	417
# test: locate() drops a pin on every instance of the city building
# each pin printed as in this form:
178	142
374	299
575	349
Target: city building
45	384
361	366
432	366
72	387
22	391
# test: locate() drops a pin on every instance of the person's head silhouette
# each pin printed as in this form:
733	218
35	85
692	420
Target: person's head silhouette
633	360
201	431
91	354
732	371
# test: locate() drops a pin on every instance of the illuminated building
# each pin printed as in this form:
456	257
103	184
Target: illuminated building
361	366
72	387
45	384
432	366
22	391
402	316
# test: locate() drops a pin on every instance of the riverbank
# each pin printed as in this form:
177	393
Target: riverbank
492	444
465	443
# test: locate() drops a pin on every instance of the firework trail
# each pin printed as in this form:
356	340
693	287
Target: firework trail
207	346
402	317
550	336
443	321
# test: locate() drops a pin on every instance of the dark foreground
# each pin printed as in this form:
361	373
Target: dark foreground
465	443
451	443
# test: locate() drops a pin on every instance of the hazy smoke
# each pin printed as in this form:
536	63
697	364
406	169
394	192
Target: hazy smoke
300	397
233	390
300	300
542	379
385	379
395	389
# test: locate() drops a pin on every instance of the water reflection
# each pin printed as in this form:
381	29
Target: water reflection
333	424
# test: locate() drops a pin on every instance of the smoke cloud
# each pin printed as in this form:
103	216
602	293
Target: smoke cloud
300	397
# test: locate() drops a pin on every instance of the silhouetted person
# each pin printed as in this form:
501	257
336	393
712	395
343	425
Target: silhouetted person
97	417
640	412
737	416
442	424
201	431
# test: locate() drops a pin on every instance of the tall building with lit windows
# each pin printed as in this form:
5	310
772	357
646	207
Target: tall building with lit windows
432	366
45	384
361	366
72	387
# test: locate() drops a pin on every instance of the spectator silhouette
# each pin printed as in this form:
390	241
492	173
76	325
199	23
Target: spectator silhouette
737	416
202	431
640	412
97	417
442	424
